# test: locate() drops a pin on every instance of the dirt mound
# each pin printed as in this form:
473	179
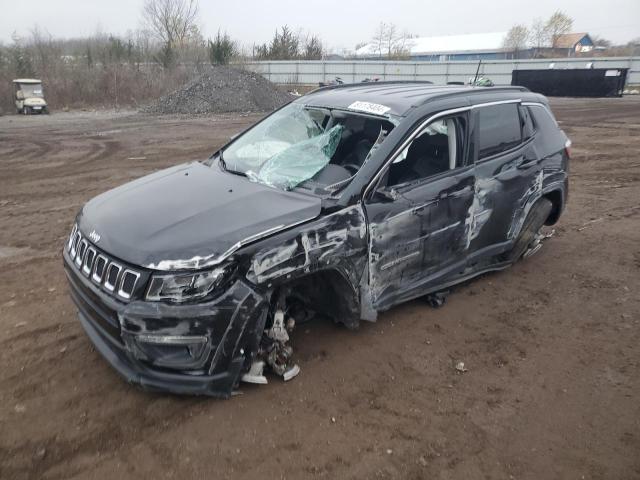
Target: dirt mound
222	90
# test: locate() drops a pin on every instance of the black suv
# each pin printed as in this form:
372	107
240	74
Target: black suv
343	203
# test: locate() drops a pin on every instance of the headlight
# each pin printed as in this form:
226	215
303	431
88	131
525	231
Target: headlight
187	287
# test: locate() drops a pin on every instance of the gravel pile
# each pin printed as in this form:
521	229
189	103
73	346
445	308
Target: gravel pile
221	90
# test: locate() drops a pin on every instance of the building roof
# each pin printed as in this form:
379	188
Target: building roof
468	43
397	96
569	40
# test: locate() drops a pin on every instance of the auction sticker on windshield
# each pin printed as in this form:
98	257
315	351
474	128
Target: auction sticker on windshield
368	107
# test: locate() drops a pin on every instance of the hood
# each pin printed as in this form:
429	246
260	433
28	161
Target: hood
190	216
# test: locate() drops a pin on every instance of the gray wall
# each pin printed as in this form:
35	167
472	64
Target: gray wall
312	72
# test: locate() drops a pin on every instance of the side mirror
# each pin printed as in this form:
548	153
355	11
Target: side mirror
386	194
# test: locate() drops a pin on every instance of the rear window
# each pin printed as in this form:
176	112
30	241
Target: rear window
500	129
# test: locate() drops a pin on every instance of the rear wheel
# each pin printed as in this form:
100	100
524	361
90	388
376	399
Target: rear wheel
26	110
528	240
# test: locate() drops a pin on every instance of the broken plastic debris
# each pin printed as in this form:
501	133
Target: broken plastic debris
590	222
536	244
437	299
461	368
41	453
278	331
292	372
255	374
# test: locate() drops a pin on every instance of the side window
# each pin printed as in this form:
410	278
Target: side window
499	129
526	122
439	148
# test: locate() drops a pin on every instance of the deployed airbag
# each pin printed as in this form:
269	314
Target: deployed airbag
299	162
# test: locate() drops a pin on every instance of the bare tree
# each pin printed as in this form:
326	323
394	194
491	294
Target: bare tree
378	39
41	43
516	39
359	45
20	58
390	38
634	46
538	36
144	44
171	21
601	41
401	49
558	24
313	48
387	41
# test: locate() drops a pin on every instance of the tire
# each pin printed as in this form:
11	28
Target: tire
26	110
532	224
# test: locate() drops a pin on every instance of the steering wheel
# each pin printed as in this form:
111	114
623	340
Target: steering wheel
352	167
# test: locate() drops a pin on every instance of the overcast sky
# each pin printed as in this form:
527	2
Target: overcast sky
340	23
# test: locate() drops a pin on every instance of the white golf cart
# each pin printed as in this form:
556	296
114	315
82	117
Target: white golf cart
29	96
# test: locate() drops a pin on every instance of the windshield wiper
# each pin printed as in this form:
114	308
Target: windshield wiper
226	169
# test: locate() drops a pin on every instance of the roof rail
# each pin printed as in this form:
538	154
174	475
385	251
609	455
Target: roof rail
368	84
476	90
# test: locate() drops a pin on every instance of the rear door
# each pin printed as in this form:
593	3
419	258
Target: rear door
508	172
417	211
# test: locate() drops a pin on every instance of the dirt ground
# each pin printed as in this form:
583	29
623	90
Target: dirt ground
552	345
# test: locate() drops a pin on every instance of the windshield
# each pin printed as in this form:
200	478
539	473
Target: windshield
305	146
31	90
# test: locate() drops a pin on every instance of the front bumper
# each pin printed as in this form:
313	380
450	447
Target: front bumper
198	349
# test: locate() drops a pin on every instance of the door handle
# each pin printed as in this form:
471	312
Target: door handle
420	208
527	163
455	193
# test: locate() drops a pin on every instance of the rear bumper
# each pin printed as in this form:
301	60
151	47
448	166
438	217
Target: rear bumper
229	329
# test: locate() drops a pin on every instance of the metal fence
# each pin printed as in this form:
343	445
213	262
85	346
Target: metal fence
499	71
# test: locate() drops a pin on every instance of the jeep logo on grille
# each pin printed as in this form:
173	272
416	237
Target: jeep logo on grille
94	236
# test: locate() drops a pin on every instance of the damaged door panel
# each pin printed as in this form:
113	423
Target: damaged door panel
340	205
417	211
508	174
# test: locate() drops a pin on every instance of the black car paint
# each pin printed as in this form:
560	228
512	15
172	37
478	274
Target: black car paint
376	252
203	209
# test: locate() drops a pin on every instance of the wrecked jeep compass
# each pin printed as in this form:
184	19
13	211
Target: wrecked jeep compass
342	204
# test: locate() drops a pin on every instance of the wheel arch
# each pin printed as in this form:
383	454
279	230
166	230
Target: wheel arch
326	291
556	197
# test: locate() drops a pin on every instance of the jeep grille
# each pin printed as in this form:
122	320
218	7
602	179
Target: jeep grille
112	276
